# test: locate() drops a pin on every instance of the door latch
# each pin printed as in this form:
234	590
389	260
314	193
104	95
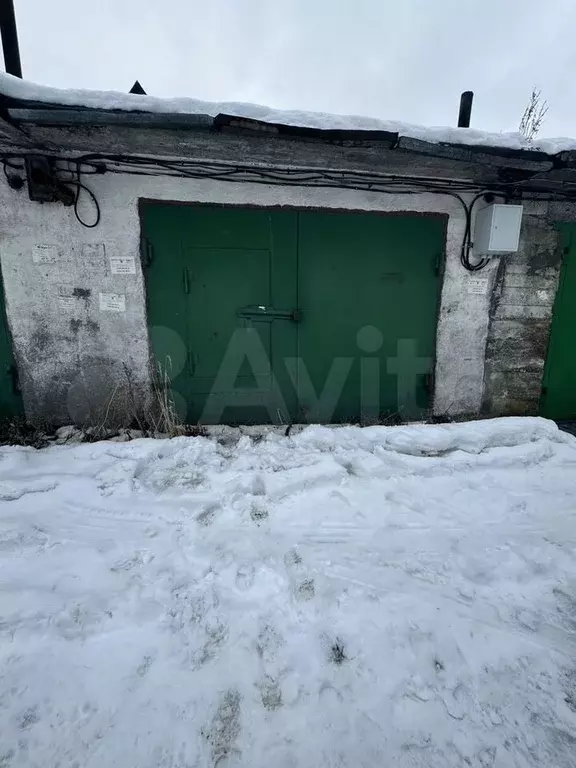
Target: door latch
268	314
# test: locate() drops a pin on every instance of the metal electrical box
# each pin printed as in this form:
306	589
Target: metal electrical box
497	229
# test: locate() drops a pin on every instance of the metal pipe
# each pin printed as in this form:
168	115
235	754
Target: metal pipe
465	109
10	38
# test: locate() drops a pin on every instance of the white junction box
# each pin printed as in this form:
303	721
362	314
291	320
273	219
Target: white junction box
497	229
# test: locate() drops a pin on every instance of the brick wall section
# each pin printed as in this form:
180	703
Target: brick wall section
520	318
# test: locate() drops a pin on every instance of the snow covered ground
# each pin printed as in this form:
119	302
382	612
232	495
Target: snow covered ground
373	597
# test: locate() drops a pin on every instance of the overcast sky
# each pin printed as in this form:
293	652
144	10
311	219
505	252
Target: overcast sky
394	59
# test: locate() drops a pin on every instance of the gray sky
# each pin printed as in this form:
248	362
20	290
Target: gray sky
394	59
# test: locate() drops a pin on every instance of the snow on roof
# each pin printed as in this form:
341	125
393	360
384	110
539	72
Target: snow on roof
15	88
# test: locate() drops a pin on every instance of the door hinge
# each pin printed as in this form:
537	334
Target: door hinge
12	371
185	280
146	251
437	263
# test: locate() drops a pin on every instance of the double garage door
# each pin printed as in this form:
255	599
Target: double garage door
281	315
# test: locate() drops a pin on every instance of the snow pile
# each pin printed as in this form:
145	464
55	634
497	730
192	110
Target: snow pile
129	102
362	597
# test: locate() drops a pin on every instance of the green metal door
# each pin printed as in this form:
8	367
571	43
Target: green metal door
368	291
285	315
559	390
221	303
10	399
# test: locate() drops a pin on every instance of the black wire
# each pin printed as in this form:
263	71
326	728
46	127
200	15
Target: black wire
78	184
418	187
467	243
365	181
7	157
11	165
7	164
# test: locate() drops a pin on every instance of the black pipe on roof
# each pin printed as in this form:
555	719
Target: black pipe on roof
465	109
10	38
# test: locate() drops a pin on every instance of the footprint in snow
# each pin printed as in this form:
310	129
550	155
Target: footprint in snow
258	486
258	513
138	558
28	718
304	588
139	673
292	560
270	693
268	643
206	517
144	666
245	576
224	729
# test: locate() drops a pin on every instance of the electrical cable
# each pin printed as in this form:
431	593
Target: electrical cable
365	181
79	186
77	182
7	164
467	242
418	187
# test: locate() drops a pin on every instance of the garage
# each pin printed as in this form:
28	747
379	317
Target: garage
262	315
559	386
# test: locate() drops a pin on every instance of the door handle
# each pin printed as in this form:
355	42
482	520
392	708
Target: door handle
268	314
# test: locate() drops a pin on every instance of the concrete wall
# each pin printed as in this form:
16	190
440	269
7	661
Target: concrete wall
521	313
73	354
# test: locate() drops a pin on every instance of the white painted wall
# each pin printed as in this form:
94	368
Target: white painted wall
70	351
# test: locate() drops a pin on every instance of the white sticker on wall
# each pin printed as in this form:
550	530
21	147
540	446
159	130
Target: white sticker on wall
66	298
67	302
476	285
93	251
122	265
45	254
113	302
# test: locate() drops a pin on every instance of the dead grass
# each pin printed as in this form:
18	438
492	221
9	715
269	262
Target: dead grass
17	431
160	417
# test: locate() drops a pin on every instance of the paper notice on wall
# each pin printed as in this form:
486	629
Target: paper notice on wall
112	302
93	251
66	298
476	285
45	254
122	265
67	302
